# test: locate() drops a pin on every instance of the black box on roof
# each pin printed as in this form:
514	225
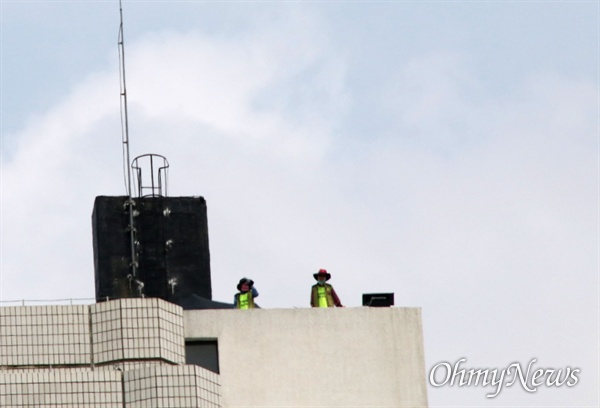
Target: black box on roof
378	299
171	244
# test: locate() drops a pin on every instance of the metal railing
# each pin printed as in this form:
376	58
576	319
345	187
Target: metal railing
41	302
156	183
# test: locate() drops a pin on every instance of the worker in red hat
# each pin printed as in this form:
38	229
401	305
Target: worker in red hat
323	294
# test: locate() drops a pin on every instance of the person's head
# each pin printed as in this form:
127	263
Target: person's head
322	276
245	285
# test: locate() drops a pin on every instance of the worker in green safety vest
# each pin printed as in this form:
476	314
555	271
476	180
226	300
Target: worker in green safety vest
245	298
323	294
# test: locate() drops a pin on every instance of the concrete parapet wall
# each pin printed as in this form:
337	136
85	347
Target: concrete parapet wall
342	357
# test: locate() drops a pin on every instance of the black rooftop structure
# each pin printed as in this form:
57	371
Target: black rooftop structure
169	238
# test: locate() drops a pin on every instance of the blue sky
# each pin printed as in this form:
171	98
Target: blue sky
443	151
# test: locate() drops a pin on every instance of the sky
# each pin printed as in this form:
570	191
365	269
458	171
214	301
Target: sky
445	151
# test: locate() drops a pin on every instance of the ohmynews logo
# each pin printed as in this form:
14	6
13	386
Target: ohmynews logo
444	373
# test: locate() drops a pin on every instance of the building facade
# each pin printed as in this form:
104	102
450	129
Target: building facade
146	353
313	357
126	353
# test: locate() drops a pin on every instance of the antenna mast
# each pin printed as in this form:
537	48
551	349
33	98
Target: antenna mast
125	139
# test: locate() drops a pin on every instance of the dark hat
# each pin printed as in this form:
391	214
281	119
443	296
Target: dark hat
250	283
322	272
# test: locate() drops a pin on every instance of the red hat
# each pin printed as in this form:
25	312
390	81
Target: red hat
322	272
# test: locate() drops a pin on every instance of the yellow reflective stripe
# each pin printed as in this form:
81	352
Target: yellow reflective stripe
243	300
322	296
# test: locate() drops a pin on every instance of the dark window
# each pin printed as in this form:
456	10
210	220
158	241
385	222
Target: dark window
203	353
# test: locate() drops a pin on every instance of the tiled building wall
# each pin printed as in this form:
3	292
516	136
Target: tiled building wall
172	340
91	356
175	386
134	329
160	386
61	388
44	335
125	329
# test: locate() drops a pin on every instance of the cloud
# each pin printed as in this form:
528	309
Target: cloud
198	101
480	208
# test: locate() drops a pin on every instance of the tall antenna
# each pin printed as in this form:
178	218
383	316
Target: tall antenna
125	140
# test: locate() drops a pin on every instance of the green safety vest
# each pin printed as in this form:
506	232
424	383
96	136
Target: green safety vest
245	301
322	296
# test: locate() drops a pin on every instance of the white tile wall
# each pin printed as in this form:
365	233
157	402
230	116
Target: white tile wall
93	355
180	386
44	335
134	329
61	388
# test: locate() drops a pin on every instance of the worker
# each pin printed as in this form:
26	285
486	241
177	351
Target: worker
323	294
245	298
